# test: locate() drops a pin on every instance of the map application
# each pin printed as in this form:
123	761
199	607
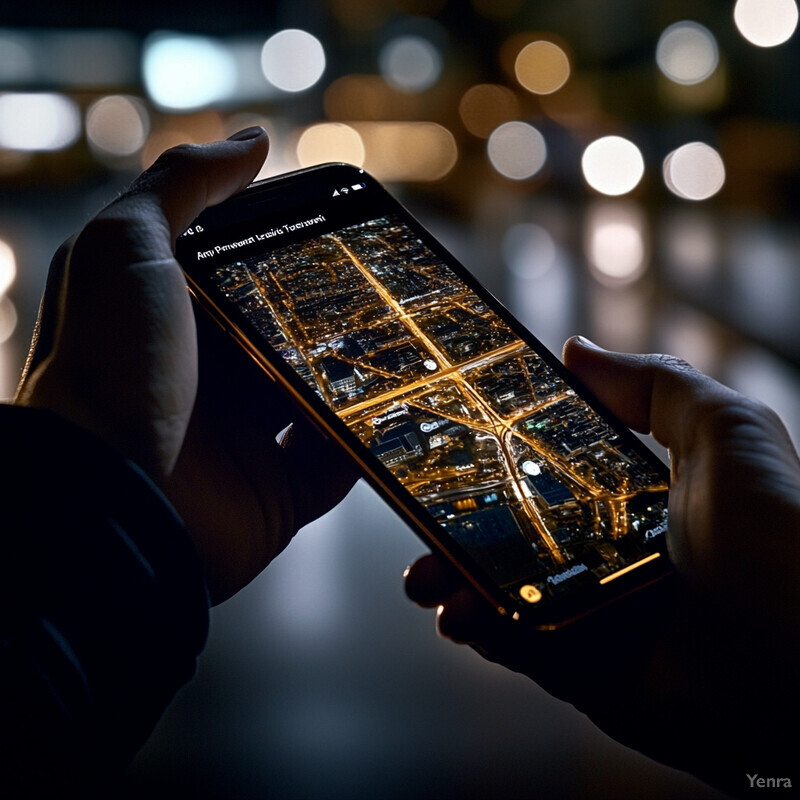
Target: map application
528	479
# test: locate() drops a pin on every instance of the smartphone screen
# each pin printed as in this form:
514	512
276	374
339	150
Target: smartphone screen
455	412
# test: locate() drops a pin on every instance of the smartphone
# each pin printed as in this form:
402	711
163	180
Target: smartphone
480	438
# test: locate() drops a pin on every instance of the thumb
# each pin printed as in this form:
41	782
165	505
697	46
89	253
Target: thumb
734	470
658	394
143	222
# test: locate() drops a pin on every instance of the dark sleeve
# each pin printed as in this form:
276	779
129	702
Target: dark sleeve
104	608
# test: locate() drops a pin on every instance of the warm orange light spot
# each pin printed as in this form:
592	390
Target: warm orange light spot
407	151
486	106
542	67
368	97
575	105
330	141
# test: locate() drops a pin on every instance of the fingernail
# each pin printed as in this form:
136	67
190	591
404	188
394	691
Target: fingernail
584	342
245	135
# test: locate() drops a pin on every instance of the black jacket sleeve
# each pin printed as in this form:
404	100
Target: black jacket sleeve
104	608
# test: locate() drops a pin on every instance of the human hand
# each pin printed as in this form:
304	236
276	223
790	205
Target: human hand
699	673
116	352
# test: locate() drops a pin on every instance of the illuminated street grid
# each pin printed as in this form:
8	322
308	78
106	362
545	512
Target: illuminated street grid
467	416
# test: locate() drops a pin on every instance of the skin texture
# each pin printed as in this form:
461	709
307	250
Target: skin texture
118	351
700	671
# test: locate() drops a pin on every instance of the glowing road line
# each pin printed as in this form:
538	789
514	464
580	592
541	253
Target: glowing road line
630	567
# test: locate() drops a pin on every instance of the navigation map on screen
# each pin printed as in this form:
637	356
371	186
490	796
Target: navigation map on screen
517	468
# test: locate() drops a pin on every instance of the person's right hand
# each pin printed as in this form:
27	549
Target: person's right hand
700	673
119	353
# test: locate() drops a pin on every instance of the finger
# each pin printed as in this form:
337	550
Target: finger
189	178
430	581
320	472
233	388
46	325
649	393
146	219
466	618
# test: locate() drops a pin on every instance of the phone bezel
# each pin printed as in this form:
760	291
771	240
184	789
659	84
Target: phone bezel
238	214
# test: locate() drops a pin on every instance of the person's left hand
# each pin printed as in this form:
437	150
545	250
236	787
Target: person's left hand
116	352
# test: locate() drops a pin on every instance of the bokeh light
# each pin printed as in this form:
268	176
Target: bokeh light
612	165
186	72
576	105
17	58
8	319
330	141
694	171
542	67
408	151
687	53
33	121
615	242
486	106
368	97
766	23
529	250
691	245
411	63
517	150
117	125
293	60
8	266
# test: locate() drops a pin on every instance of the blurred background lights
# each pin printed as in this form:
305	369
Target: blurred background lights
8	319
486	106
687	53
330	141
690	244
542	67
694	171
117	125
612	165
87	58
17	58
38	121
766	23
411	63
517	150
369	97
408	151
615	242
293	60
184	72
529	250
8	266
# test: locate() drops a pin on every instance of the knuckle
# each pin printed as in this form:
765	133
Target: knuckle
719	416
170	165
177	155
105	236
663	362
